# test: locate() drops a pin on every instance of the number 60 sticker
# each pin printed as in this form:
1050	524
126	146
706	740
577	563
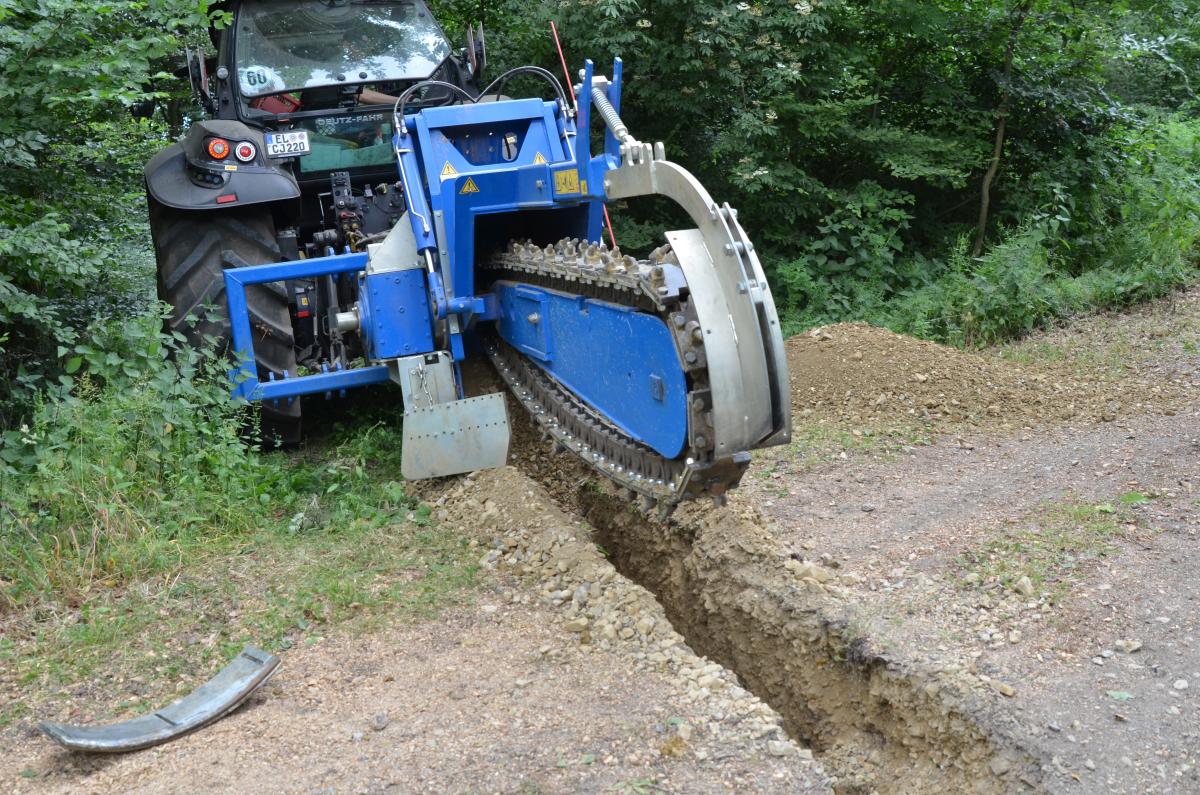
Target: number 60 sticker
260	80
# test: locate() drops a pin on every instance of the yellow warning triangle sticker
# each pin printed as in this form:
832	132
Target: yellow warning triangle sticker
469	187
448	171
539	158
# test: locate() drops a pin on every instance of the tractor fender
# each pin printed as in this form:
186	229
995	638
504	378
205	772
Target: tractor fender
210	702
169	175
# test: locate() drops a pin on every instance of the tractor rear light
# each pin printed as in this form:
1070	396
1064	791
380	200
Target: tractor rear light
218	148
245	151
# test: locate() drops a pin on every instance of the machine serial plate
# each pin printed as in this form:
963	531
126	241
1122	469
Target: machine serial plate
288	144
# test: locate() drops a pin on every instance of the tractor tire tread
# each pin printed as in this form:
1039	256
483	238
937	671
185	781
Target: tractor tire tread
193	249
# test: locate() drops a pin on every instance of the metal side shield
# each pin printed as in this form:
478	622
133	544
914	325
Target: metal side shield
742	335
455	437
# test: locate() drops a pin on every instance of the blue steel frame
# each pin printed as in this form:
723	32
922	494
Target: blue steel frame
547	172
245	377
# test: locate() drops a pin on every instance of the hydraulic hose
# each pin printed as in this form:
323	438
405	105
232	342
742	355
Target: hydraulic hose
402	100
532	70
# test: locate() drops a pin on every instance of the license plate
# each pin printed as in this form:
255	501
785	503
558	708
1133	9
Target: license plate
288	144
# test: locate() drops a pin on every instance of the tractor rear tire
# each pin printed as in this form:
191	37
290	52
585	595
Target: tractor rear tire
192	249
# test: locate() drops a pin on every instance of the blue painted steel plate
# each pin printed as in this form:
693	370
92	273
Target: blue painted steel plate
621	362
396	319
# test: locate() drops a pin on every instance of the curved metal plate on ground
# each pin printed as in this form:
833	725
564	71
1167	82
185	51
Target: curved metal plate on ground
212	700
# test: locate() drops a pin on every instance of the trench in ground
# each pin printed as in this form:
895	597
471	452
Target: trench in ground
874	722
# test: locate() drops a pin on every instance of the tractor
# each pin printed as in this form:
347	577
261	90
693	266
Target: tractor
361	208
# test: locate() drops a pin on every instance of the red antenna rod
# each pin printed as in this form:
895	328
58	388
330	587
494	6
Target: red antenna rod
571	87
563	60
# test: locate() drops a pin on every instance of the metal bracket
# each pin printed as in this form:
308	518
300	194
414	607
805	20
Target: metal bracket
425	380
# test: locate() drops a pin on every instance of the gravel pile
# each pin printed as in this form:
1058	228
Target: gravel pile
854	375
600	608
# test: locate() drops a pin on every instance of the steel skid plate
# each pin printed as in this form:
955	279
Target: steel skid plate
455	437
212	700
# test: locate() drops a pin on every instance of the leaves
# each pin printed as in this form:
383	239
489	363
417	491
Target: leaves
853	135
70	175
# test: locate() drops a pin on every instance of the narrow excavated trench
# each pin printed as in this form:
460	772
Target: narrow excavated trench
876	723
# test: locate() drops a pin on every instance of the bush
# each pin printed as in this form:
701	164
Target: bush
70	170
145	450
1143	246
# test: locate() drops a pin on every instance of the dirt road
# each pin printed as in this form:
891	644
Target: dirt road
1096	511
969	573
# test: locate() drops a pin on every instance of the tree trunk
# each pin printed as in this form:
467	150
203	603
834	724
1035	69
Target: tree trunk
985	199
173	113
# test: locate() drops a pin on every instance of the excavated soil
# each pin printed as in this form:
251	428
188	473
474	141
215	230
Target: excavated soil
877	722
854	375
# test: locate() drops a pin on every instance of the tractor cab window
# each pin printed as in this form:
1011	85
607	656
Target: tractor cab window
348	142
284	45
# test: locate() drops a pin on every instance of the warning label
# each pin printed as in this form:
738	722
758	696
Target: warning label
566	181
469	187
448	171
539	158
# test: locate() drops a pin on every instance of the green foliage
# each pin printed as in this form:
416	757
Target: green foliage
1142	244
854	135
70	161
115	484
142	447
136	511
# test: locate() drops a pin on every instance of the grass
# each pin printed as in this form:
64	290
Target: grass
166	584
1098	346
1053	548
813	446
273	590
1112	361
1033	352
